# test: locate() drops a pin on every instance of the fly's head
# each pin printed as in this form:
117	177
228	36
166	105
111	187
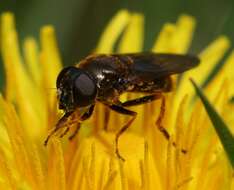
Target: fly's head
75	88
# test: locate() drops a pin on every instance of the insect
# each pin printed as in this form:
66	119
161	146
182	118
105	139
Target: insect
104	78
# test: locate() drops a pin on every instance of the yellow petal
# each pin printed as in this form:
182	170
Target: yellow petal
225	73
7	175
132	40
51	61
38	171
18	145
56	170
175	38
209	58
51	65
31	55
184	33
163	42
19	88
16	80
112	32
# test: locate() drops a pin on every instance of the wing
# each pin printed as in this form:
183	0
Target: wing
157	65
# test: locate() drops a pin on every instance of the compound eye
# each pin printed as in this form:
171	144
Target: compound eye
65	75
85	85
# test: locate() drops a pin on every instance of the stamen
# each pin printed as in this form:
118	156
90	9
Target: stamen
142	174
37	166
146	167
87	173
123	178
184	182
110	180
56	168
92	165
6	168
169	167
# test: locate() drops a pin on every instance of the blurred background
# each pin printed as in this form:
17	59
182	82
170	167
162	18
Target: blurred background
79	23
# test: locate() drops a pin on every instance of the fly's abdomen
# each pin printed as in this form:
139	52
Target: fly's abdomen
150	86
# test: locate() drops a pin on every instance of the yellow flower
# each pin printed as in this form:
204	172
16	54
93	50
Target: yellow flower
28	109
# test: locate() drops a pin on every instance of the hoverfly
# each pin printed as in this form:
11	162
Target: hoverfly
104	78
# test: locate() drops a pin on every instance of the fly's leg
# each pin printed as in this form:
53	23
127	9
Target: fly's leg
147	99
59	125
68	125
62	124
150	98
65	132
124	111
160	126
160	118
120	109
85	116
142	100
75	132
107	116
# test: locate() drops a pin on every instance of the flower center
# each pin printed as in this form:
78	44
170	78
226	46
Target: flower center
131	146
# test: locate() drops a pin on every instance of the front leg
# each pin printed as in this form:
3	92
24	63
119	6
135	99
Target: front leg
60	124
85	116
63	123
124	111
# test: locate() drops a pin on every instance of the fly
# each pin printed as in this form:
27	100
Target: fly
104	78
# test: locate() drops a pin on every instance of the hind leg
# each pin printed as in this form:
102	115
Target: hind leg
160	126
160	118
124	111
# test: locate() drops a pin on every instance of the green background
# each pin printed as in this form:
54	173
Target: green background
79	23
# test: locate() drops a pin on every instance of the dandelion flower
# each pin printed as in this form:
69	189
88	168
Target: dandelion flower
29	109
